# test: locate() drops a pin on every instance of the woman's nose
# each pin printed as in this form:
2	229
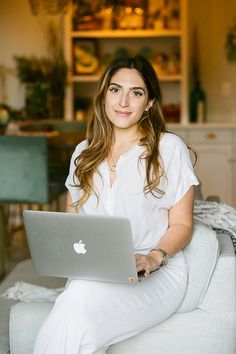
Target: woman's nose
124	100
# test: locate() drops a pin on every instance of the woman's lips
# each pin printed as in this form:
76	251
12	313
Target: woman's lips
123	113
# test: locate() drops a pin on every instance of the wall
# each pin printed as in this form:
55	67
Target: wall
21	33
213	19
24	34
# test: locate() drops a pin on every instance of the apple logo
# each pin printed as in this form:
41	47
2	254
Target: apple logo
79	247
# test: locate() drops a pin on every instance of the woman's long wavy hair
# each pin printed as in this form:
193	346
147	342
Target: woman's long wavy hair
100	133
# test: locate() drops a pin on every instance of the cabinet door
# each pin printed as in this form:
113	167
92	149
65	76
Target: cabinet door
214	170
233	161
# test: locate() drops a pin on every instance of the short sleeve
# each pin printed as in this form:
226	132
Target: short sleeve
187	177
178	168
72	180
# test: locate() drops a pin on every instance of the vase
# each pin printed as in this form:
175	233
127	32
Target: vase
36	101
55	106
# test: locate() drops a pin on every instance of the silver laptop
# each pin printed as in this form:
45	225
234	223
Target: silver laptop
82	246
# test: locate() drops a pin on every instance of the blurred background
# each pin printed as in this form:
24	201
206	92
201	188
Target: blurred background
25	34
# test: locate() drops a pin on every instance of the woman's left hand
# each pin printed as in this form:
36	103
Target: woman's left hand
147	263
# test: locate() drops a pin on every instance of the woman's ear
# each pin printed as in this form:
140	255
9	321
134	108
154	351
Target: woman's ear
149	105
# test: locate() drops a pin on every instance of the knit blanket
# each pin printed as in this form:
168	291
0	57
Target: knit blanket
220	217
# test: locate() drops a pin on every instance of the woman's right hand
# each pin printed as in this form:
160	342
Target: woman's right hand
148	263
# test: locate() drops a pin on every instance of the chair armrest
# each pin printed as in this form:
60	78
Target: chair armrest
220	297
30	323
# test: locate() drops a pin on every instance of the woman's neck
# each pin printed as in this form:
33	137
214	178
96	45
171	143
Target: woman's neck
124	139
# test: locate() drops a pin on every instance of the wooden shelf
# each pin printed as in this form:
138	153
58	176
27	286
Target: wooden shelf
126	33
96	77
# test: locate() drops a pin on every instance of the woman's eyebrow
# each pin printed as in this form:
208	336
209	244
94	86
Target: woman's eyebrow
137	88
113	83
131	88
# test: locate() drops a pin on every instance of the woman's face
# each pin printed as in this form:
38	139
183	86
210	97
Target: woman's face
126	99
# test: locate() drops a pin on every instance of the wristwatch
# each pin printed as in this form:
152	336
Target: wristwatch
164	256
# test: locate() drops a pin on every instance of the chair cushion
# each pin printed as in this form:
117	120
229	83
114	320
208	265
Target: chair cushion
201	256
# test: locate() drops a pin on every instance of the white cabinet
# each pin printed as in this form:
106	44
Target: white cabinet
216	164
174	85
214	170
233	162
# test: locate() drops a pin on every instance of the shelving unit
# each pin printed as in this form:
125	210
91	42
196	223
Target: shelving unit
174	86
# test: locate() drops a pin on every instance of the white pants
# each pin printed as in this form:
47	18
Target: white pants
89	316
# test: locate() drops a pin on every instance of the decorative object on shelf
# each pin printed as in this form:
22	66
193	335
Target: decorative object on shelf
197	103
85	58
130	14
173	18
197	99
166	64
231	42
9	118
155	20
49	7
87	15
45	80
107	17
171	112
160	61
158	20
173	64
130	18
164	15
4	118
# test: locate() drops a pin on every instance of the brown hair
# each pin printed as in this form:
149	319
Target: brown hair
100	130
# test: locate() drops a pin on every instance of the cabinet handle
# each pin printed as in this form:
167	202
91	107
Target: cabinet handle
210	135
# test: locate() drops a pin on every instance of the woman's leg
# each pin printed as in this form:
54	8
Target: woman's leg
89	316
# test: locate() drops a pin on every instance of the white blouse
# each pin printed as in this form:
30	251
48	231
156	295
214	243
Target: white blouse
148	214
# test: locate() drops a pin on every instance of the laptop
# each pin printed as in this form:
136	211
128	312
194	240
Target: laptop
81	246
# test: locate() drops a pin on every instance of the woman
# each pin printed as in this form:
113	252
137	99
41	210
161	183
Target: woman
128	166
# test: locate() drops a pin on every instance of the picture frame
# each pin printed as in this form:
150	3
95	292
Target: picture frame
85	57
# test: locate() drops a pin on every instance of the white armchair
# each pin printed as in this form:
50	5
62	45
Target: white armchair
204	323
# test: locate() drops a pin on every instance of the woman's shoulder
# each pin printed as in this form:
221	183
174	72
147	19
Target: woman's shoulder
172	140
80	147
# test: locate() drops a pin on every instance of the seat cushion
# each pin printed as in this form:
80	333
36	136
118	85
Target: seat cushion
201	255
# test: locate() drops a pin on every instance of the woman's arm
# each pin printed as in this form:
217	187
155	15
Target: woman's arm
178	234
69	207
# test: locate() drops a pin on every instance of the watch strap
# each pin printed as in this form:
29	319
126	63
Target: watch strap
164	256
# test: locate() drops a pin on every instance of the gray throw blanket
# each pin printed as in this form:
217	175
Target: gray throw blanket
221	217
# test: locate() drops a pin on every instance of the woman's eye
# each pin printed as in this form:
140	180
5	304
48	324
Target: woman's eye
137	93
113	89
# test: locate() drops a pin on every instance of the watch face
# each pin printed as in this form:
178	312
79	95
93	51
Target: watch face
164	255
165	258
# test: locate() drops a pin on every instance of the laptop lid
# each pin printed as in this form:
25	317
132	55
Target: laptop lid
82	246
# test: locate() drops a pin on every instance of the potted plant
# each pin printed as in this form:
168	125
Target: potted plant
45	81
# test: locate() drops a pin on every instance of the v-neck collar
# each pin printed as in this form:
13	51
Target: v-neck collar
104	168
